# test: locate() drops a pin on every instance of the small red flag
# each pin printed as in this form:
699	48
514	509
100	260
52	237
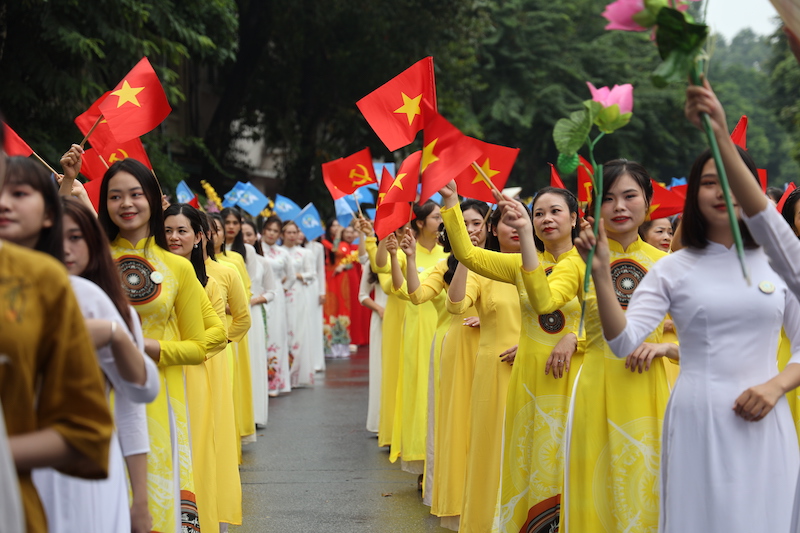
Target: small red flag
344	175
13	143
391	216
137	104
739	135
93	192
92	165
585	172
396	109
383	188
762	179
785	196
404	185
496	161
446	153
665	202
555	179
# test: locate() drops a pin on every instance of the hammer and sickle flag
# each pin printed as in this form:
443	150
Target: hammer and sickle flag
344	175
496	161
137	104
96	160
396	110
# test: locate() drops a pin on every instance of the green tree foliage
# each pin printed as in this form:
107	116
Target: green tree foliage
58	56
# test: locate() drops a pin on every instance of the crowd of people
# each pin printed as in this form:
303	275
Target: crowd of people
142	344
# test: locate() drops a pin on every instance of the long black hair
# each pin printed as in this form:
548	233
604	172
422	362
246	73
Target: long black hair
238	241
21	170
615	169
213	218
421	212
482	208
572	205
152	192
789	209
195	218
693	223
210	236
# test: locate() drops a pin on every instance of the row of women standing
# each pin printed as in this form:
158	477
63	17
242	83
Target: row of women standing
186	348
522	419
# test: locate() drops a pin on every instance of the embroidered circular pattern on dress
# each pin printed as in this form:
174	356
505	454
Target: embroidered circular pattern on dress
554	322
626	275
136	279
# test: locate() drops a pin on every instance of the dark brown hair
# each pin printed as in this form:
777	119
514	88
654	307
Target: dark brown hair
693	225
195	219
101	269
572	205
615	169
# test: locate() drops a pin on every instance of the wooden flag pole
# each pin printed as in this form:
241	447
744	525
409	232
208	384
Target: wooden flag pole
485	178
51	169
358	206
96	123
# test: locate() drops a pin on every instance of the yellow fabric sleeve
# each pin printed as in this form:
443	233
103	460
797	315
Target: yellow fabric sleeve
549	293
239	303
472	291
372	251
430	287
191	348
493	265
216	334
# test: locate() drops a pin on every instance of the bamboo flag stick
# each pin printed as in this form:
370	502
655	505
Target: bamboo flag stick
51	169
358	206
96	123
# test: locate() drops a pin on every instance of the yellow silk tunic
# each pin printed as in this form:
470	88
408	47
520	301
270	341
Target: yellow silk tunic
614	432
171	312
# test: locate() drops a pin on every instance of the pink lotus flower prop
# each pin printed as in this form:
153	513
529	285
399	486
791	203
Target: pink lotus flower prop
617	106
638	15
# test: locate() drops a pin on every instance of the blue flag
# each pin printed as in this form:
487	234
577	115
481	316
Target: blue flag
232	196
379	173
344	213
309	222
252	200
183	193
285	208
370	213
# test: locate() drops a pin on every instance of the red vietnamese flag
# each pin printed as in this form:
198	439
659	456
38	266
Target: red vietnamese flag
93	166
496	162
93	192
395	109
391	216
680	190
404	186
13	143
665	203
137	104
739	135
446	153
585	172
344	175
555	179
785	196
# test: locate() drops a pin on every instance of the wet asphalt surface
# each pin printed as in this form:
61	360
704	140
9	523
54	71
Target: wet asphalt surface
316	468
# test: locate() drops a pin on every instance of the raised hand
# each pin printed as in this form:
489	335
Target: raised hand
71	162
391	244
514	213
365	226
409	244
701	99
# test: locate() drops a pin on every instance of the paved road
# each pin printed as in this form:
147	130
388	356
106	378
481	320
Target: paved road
316	468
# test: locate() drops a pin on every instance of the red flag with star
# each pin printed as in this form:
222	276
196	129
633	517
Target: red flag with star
96	161
739	135
395	109
404	185
344	175
446	153
391	216
585	172
383	187
496	161
665	203
785	196
101	135
13	144
555	179
137	104
93	192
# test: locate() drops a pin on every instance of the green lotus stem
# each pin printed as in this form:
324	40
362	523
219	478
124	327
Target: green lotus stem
597	192
723	176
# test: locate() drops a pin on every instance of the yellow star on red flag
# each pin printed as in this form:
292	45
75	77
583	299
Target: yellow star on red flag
428	156
410	107
488	170
128	94
398	181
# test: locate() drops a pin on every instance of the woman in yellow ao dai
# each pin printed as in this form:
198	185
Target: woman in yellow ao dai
614	430
163	289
